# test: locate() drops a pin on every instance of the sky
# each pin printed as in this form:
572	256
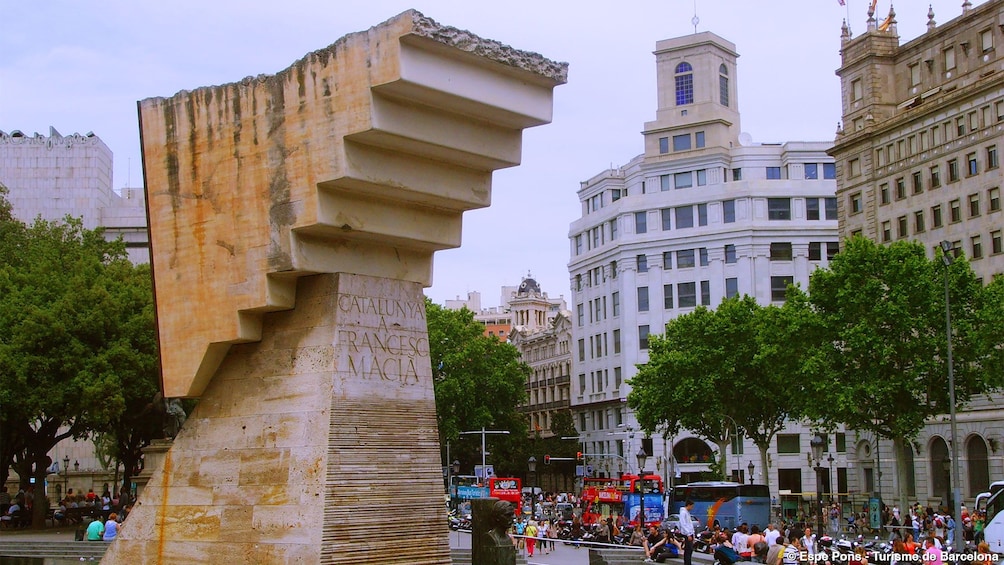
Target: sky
82	66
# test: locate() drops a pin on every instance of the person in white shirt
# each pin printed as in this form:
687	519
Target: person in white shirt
809	541
687	529
771	534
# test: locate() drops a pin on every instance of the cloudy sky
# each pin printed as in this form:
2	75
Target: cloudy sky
81	66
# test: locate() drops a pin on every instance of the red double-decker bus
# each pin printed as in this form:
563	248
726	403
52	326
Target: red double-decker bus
506	488
603	498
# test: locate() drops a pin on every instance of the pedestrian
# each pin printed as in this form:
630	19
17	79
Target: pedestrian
544	533
95	530
687	530
111	527
531	537
932	553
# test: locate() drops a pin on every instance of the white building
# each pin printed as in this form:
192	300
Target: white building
703	214
55	176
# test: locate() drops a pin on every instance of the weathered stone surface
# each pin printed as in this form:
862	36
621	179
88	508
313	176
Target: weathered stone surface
360	157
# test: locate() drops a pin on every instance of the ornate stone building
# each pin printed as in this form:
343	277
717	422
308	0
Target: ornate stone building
918	158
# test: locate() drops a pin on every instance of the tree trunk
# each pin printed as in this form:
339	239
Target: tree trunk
764	470
899	446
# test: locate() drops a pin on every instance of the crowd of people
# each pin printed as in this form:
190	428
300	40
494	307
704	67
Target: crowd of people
102	515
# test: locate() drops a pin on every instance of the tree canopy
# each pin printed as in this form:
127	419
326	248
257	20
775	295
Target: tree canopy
480	382
715	371
881	360
78	338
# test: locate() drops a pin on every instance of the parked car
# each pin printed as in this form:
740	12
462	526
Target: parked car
673	522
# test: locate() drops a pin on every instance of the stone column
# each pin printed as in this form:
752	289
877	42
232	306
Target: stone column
293	220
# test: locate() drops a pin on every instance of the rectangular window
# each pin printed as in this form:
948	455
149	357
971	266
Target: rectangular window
643	299
683	180
886	231
815	251
663	145
955	211
960	126
953	170
918	221
702	177
812	208
664	183
667	213
987	40
900	188
699	139
994	197
737	174
779	208
702	214
731	287
578	244
855	203
705	293
974	121
580	314
773	173
686	295
914	74
613	229
901	227
992	162
667	260
918	183
729	211
788	443
730	253
642	263
972	167
779	288
935	176
684	217
667	296
974	205
884	193
582	350
615	303
702	255
685	258
643	337
949	58
832	248
617	341
976	244
936	221
856	91
830	206
681	142
780	251
995	242
640	222
830	170
811	171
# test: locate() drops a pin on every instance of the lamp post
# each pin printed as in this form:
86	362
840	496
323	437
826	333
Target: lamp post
946	259
735	447
483	432
751	468
641	456
531	465
66	473
817	444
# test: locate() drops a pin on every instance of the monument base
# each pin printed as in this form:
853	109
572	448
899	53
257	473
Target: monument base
317	444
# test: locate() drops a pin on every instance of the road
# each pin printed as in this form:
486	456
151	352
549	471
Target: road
562	554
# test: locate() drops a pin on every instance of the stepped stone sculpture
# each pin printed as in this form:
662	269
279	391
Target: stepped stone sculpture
293	222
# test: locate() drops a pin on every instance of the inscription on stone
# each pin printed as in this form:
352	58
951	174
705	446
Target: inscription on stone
388	351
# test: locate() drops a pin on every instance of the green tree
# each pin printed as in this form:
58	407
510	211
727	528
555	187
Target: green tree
72	342
480	383
713	369
883	348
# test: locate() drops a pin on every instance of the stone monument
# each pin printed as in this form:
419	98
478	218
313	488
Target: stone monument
293	222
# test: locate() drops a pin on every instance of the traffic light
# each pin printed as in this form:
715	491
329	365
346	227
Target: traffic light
578	456
547	460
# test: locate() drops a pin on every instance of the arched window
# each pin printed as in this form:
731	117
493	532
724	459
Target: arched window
979	469
723	84
684	84
940	471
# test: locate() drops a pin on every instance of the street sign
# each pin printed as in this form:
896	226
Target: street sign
486	472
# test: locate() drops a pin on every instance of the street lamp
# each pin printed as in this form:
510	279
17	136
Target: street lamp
946	259
483	432
817	444
641	456
66	473
531	465
751	468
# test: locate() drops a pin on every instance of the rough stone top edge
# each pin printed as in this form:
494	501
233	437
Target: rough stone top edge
425	27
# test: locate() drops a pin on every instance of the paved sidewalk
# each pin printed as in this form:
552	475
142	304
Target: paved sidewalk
64	533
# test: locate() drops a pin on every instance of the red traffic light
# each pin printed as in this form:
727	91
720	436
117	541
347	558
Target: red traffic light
578	456
547	460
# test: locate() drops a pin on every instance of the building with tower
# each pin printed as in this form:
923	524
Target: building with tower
918	158
703	214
